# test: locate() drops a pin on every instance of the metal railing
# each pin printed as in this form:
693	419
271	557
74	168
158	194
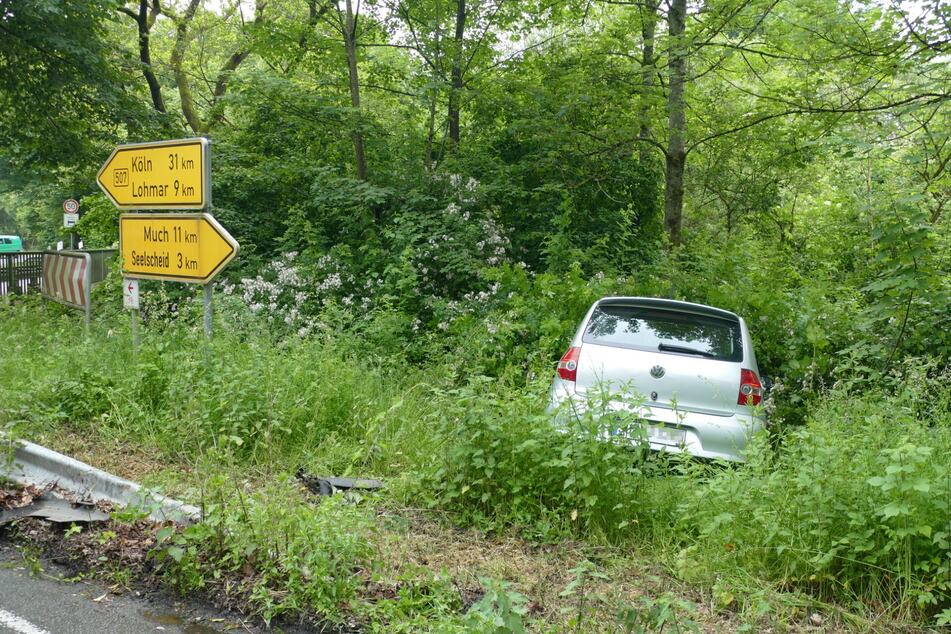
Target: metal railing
21	272
102	260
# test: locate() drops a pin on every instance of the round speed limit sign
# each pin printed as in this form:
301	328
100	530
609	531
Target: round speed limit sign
70	206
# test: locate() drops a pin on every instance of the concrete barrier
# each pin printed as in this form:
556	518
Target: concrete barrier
39	466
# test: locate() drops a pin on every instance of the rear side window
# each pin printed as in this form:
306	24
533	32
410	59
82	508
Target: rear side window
648	328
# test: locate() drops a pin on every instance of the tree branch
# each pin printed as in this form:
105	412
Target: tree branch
801	110
144	21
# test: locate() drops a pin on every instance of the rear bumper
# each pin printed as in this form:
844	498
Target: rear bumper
704	435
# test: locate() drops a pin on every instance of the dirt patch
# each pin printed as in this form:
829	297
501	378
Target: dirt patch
101	547
544	573
615	580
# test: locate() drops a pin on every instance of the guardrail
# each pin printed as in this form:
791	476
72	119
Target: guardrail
67	280
36	465
100	262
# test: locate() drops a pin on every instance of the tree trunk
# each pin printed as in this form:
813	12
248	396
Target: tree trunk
225	73
433	95
176	62
456	94
431	132
349	29
144	22
217	113
676	122
648	28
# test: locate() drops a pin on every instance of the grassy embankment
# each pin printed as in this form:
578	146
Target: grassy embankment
846	517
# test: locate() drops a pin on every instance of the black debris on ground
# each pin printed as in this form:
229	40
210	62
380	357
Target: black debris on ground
331	484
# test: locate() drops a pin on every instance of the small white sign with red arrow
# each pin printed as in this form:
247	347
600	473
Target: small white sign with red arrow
130	294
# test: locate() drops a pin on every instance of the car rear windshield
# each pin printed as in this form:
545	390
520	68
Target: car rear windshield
652	329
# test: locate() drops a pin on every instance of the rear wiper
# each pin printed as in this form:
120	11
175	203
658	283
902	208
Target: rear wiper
666	347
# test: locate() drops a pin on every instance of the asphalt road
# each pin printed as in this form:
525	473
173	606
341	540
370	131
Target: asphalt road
43	604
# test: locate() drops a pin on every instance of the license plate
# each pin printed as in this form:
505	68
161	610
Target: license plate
665	435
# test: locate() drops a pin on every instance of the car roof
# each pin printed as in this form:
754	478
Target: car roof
658	302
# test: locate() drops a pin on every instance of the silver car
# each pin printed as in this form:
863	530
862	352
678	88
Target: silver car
687	371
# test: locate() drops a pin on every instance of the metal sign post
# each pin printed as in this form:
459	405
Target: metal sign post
130	300
135	331
209	310
87	283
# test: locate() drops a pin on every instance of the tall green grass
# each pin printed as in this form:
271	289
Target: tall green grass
854	506
245	394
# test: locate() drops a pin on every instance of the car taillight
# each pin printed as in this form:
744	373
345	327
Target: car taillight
568	366
751	390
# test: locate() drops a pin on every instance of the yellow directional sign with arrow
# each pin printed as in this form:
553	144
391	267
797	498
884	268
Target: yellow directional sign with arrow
159	175
177	247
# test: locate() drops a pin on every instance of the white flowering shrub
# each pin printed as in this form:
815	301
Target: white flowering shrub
292	295
443	249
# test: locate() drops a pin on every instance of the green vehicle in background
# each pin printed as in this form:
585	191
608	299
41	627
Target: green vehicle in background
11	244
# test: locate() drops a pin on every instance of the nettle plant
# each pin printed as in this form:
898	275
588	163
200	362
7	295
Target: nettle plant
504	462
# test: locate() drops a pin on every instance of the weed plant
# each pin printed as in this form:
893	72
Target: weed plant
853	507
269	549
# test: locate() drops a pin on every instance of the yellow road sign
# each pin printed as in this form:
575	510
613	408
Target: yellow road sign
164	174
177	247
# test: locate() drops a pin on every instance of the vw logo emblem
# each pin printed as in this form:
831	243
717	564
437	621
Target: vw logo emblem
657	371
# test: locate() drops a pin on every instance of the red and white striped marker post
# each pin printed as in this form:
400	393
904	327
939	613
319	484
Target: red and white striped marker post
67	279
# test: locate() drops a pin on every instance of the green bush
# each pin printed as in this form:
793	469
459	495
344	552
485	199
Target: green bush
856	504
502	460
